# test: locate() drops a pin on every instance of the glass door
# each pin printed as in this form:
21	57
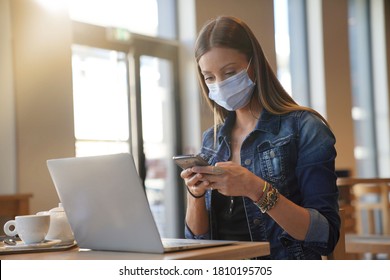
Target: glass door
126	100
154	104
158	137
100	101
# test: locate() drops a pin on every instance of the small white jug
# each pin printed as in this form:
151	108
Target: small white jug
59	226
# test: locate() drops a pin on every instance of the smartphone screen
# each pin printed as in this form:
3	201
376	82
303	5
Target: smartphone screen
187	161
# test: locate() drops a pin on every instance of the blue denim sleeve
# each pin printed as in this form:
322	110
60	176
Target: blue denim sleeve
317	182
318	228
187	231
189	235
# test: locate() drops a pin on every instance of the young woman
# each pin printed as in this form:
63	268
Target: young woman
272	162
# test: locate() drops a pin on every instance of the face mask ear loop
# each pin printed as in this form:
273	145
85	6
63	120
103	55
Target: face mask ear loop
250	107
250	60
215	125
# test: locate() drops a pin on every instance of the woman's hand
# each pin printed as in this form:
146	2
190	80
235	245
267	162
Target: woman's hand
193	182
228	178
196	217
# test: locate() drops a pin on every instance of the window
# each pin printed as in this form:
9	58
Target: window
301	66
369	88
100	99
154	18
300	57
282	43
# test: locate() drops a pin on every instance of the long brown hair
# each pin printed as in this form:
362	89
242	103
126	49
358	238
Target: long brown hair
231	32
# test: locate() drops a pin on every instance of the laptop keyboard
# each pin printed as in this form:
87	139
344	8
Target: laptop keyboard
177	242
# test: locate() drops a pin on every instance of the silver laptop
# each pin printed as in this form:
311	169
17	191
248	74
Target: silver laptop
107	207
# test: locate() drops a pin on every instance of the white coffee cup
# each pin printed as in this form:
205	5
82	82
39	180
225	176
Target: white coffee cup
30	228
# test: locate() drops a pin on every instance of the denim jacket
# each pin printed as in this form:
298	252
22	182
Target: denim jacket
295	153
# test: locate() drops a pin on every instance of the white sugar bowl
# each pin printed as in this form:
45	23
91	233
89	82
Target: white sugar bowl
59	226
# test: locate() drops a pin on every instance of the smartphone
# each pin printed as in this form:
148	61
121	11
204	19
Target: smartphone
187	161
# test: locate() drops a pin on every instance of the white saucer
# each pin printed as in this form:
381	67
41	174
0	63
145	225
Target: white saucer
20	245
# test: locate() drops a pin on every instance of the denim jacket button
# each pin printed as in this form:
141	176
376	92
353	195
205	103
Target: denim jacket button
256	221
247	161
272	154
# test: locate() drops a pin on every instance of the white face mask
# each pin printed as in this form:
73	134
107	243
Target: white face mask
233	93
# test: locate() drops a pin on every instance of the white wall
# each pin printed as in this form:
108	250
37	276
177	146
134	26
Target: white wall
189	87
7	105
43	96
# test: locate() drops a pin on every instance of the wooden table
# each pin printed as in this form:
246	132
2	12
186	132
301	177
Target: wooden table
239	250
375	244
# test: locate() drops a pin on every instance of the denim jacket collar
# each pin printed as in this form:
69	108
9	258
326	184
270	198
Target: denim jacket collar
267	123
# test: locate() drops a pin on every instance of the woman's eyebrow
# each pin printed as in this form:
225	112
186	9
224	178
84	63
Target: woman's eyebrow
227	65
222	68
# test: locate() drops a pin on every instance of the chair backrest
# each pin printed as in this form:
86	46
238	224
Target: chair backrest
372	200
371	203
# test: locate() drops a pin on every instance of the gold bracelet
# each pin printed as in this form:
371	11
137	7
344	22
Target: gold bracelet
262	193
269	200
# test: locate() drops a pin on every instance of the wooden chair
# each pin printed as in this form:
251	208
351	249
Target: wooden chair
13	205
372	200
369	208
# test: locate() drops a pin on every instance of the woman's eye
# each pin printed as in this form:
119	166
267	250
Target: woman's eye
231	73
208	79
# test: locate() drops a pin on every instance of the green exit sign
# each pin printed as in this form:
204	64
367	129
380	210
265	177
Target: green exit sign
118	34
